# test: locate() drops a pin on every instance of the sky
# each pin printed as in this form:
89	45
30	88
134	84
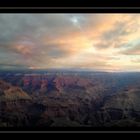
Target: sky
105	42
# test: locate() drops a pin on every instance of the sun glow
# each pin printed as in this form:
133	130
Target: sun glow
91	41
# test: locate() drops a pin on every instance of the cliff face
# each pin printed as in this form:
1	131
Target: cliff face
122	109
45	84
69	106
69	100
11	93
17	108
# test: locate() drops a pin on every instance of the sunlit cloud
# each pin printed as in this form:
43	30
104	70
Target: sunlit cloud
105	42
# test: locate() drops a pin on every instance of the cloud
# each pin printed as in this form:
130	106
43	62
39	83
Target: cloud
135	50
12	66
118	34
94	41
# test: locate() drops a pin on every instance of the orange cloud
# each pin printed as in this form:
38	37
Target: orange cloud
93	41
25	50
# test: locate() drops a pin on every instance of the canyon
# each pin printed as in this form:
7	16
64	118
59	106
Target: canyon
69	99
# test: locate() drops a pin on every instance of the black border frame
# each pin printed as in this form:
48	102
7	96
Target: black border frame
70	3
70	10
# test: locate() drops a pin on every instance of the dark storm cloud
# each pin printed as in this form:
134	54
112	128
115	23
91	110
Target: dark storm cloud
12	66
35	28
14	25
15	28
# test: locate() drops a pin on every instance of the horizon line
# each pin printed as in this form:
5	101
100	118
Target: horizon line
71	69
